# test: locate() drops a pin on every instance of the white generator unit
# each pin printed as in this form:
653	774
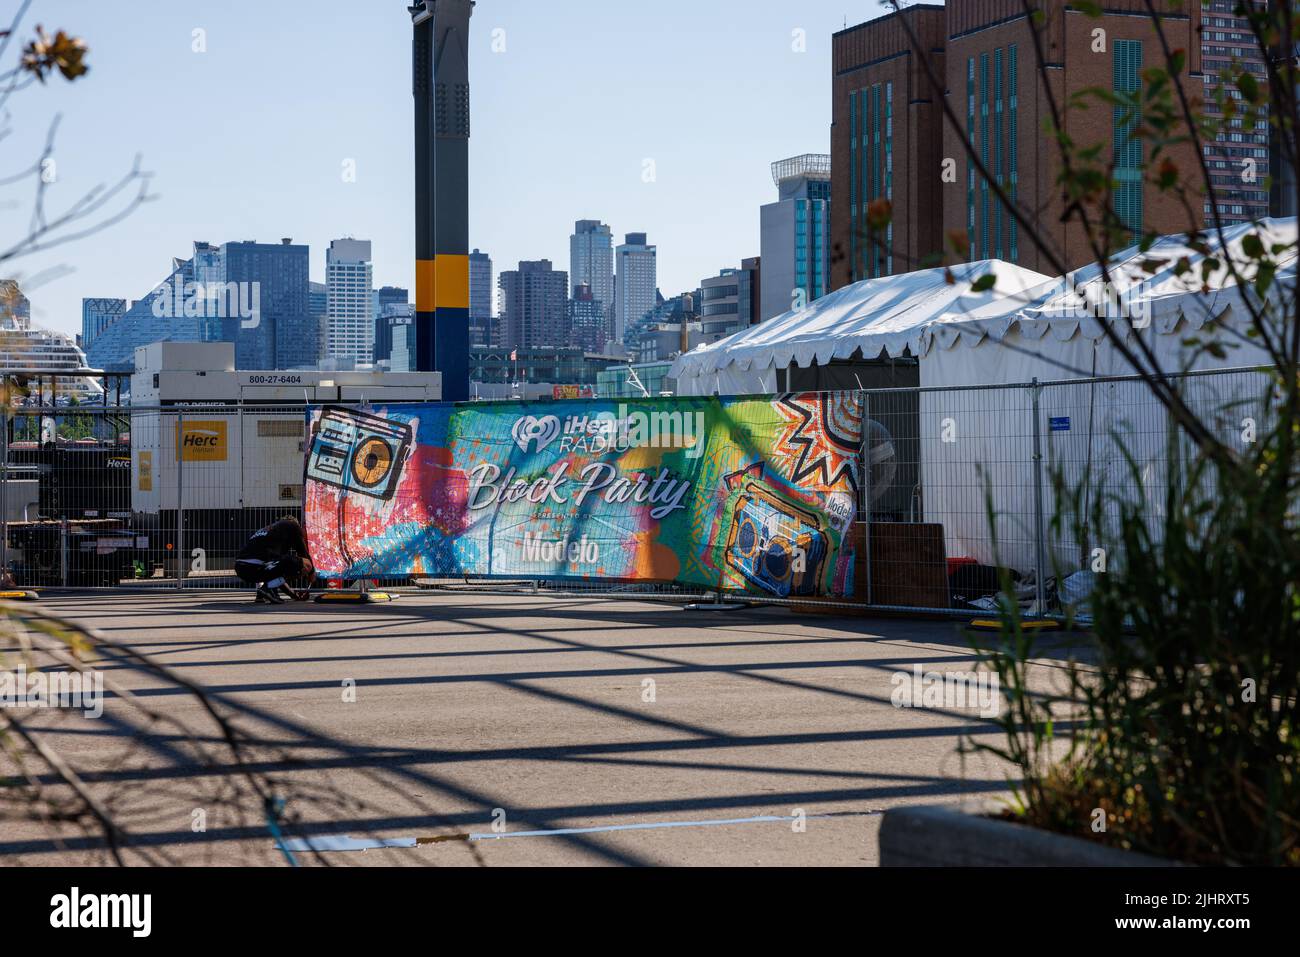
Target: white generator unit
226	446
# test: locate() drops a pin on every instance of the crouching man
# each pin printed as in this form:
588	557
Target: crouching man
277	561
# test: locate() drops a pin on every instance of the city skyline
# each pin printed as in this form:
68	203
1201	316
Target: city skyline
653	170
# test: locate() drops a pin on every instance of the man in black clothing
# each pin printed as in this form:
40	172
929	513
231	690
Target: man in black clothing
276	559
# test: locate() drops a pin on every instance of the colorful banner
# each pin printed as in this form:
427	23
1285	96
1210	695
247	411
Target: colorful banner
743	494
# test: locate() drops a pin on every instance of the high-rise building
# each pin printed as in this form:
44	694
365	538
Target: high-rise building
588	329
481	333
318	306
534	306
154	318
400	319
254	295
1238	158
750	289
636	283
795	234
591	262
729	300
318	299
209	265
671	327
97	315
886	123
890	142
273	277
385	297
1282	190
349	278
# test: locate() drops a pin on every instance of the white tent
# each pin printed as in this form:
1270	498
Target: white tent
1046	328
1059	334
1028	326
1090	431
892	315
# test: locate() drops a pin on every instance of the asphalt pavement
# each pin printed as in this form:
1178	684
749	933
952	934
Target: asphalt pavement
490	729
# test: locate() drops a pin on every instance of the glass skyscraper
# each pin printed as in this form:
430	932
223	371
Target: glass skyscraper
401	333
636	284
587	327
795	234
254	295
284	334
97	315
151	319
385	297
481	333
209	264
591	263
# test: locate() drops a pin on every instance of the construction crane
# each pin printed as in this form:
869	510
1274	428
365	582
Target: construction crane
440	84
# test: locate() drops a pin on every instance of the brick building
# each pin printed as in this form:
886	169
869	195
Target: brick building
994	89
886	126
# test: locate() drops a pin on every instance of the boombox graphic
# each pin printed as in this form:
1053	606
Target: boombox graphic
767	538
359	452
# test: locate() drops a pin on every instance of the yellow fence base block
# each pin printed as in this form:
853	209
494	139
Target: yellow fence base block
18	595
992	624
354	597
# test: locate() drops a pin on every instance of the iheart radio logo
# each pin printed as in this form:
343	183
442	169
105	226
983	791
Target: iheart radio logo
529	429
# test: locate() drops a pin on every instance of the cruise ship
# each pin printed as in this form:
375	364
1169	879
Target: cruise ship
38	353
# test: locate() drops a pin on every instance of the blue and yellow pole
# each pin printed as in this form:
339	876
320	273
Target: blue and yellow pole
440	84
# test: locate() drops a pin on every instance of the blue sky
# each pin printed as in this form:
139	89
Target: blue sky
248	140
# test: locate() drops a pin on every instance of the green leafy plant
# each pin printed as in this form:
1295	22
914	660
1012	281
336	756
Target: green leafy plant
1179	736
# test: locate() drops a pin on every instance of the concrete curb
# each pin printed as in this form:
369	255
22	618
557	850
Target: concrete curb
965	835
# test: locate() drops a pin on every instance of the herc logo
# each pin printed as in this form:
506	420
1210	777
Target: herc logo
201	441
530	429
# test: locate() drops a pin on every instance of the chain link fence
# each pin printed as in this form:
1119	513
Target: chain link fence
145	497
1026	481
959	487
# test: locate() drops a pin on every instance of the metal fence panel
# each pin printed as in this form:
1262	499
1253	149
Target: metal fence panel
145	497
957	483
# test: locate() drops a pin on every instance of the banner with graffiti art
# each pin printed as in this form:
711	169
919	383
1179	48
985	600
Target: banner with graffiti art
750	494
